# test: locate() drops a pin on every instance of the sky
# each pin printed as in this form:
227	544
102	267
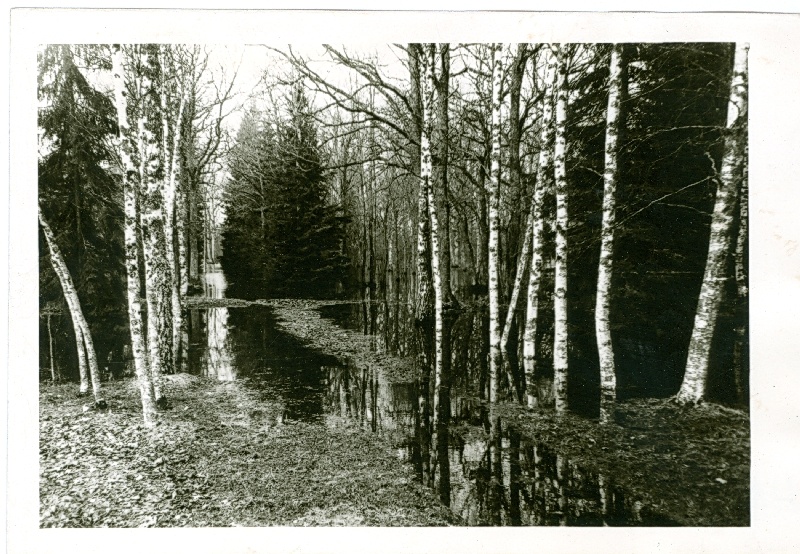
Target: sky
255	61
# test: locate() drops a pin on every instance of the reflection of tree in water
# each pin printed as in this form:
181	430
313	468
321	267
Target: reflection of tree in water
488	475
280	364
244	343
486	472
218	361
363	394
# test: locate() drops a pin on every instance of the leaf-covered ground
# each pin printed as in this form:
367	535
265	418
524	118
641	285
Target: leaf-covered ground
218	457
691	464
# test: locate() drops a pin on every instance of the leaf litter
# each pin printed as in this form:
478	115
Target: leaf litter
212	461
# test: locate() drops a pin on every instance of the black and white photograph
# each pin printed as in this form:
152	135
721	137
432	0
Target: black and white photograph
352	278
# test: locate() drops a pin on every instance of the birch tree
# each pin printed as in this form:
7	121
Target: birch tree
517	71
729	180
617	89
428	60
561	331
424	296
170	154
440	169
494	228
157	286
741	363
77	191
83	336
543	184
125	147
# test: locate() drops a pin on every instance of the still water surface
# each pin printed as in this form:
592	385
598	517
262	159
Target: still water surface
483	469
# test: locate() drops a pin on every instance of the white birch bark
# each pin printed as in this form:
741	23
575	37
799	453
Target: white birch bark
440	171
83	367
424	302
517	71
494	227
522	263
83	336
150	220
720	240
561	336
426	175
182	217
543	183
741	364
617	85
157	294
50	344
170	192
130	182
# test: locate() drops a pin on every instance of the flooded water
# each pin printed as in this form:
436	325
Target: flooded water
482	469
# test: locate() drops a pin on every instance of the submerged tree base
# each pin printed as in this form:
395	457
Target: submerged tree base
220	457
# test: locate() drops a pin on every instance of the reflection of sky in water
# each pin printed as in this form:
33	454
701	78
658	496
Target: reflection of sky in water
219	362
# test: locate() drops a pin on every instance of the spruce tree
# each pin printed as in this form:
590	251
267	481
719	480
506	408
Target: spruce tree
78	193
281	236
307	257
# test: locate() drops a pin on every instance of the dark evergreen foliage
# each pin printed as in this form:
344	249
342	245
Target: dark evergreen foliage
281	238
671	147
82	198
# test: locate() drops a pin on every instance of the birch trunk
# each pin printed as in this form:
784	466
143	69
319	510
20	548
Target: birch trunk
50	344
440	169
494	227
192	231
561	336
83	368
130	182
181	218
543	183
83	336
515	170
617	87
722	223
426	174
154	262
170	193
522	264
424	300
741	362
157	292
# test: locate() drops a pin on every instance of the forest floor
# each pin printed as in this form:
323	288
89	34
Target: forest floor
217	457
220	457
690	464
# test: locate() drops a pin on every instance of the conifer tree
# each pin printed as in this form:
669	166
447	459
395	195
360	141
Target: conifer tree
280	224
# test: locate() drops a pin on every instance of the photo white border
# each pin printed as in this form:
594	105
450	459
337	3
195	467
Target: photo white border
775	267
